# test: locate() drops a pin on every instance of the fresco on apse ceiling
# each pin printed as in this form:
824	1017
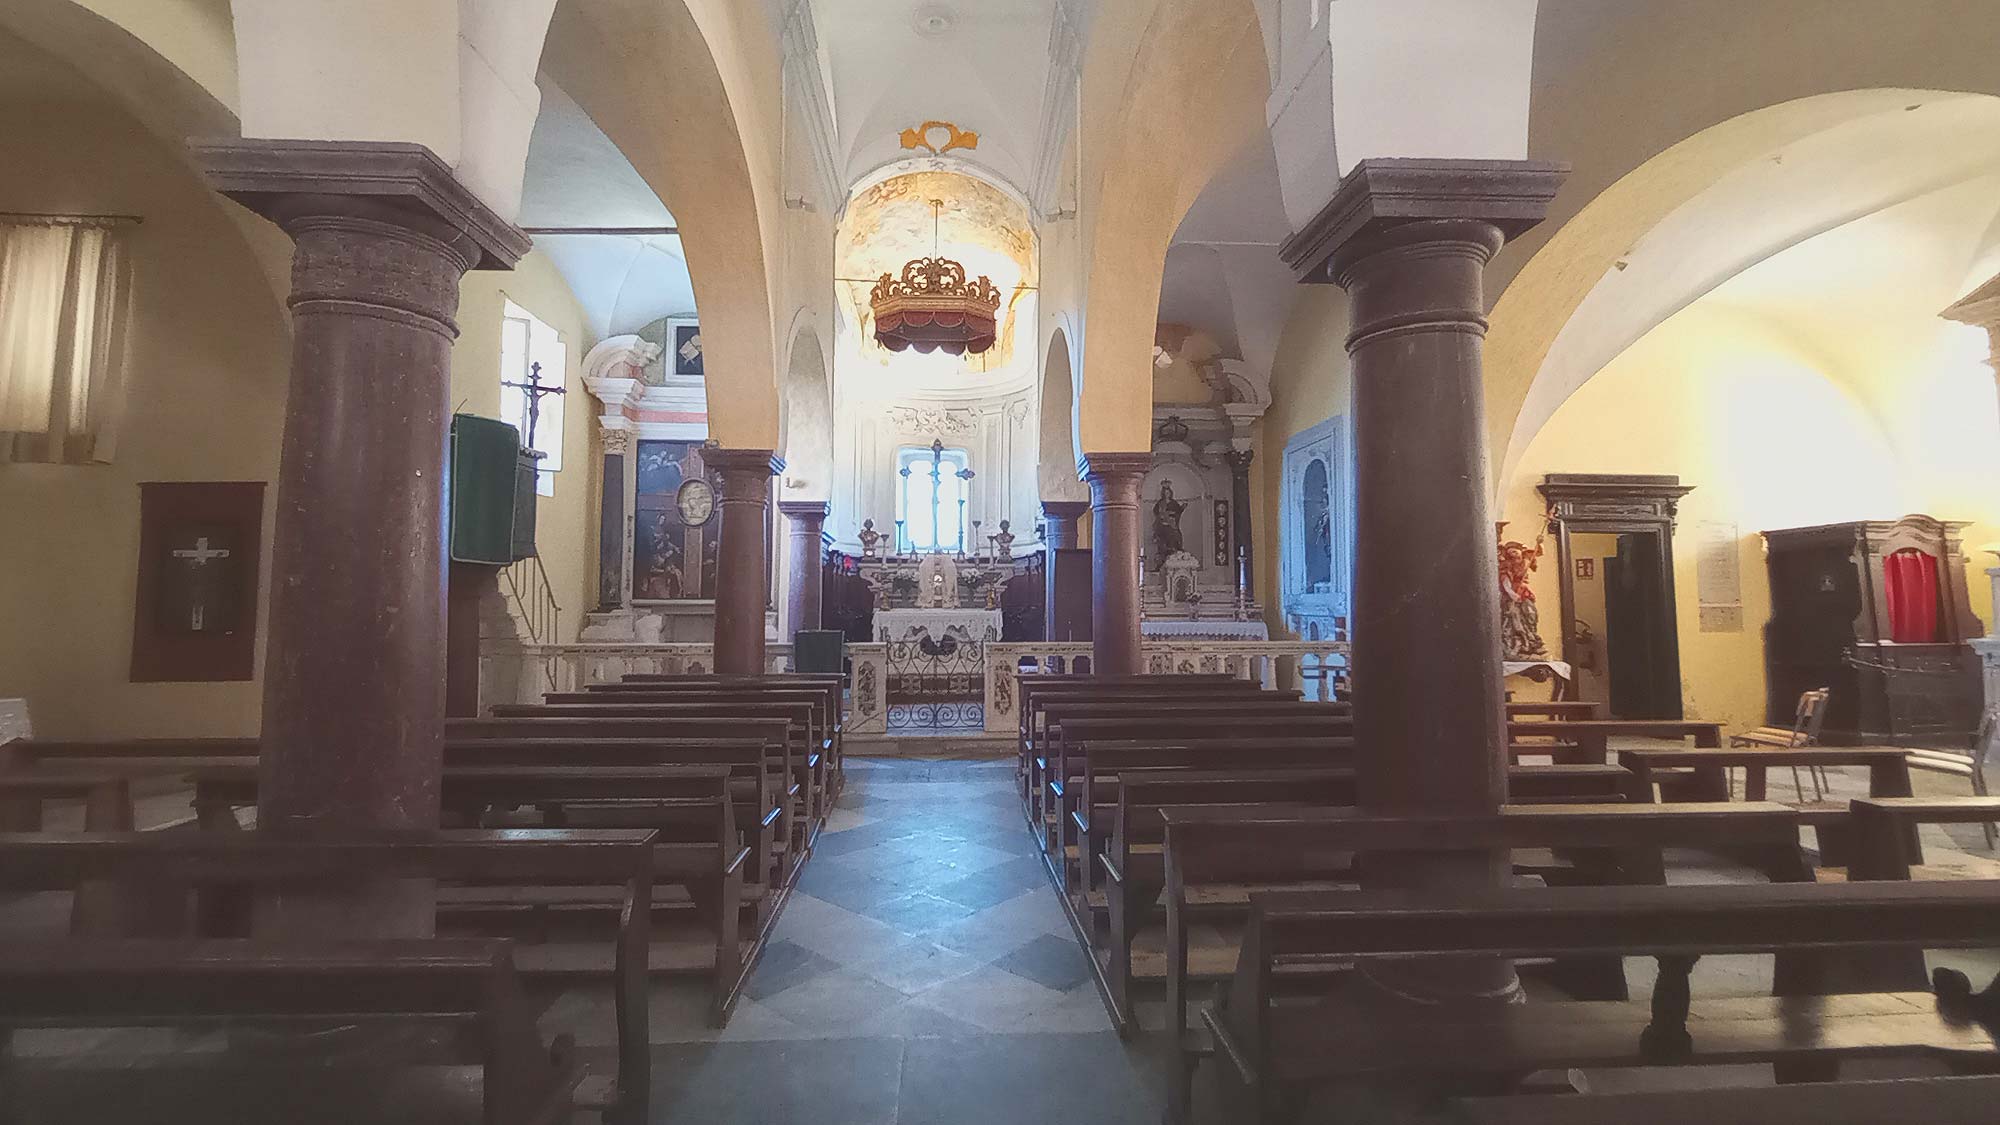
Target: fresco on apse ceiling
980	226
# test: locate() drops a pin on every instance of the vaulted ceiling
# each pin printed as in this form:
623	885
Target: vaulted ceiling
894	64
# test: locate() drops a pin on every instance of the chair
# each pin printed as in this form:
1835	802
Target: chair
1806	721
1972	765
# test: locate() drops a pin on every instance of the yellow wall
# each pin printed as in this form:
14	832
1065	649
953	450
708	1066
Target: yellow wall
565	524
1309	384
205	399
1767	437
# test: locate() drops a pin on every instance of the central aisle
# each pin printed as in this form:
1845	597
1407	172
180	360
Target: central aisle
922	972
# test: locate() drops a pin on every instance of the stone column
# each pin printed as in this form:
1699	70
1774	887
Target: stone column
354	676
1114	560
741	557
1409	240
1059	521
805	561
1244	556
614	516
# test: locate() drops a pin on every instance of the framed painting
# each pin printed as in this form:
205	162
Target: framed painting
675	542
195	615
684	345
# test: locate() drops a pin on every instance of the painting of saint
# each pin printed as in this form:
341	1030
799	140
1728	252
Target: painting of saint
671	561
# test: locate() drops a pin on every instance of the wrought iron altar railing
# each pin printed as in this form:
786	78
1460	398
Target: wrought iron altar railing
903	689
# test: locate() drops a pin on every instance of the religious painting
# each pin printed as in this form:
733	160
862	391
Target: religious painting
684	346
196	609
672	559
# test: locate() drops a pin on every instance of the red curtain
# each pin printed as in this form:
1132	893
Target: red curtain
1910	578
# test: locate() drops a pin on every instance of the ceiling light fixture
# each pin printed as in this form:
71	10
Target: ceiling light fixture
932	306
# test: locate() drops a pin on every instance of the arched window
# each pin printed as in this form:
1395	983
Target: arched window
930	498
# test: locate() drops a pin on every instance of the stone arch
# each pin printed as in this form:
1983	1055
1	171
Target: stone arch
1701	213
1055	474
808	410
1180	76
685	88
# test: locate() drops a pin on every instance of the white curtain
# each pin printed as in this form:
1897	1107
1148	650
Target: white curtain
64	291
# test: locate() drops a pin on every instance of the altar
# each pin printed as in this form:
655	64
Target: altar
974	625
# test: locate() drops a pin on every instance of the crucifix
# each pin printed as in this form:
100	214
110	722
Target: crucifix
937	481
534	390
196	587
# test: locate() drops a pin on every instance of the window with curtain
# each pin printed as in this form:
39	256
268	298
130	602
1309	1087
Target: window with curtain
65	288
930	526
525	342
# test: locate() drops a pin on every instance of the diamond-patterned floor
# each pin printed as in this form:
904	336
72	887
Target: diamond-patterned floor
923	971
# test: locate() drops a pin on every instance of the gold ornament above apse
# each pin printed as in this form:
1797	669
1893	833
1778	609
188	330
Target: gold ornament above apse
919	136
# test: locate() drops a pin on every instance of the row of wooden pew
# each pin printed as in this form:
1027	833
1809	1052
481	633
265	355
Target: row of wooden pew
653	825
1172	805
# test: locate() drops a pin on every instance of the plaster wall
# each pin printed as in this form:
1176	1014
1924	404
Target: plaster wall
565	523
1767	438
1310	383
205	384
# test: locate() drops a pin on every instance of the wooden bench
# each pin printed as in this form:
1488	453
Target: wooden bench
1589	740
689	807
1928	1101
799	731
1034	713
1703	775
752	783
180	983
1133	859
1885	841
1555	709
1215	858
826	693
106	799
1192	725
794	832
1270	1047
194	884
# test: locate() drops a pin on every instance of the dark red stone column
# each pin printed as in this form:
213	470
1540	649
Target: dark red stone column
1244	558
1059	522
1066	568
1409	240
1114	560
354	673
742	580
805	558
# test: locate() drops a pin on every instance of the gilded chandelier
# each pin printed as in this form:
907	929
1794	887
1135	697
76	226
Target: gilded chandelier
933	306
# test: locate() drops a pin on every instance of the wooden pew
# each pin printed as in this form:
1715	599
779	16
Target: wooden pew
1133	859
1965	1100
829	685
1555	709
1055	771
1269	1048
1035	691
1885	839
825	694
1216	857
1589	740
1703	775
798	716
794	834
106	798
180	983
758	810
690	807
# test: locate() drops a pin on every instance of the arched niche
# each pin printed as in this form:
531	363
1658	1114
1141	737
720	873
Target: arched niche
1056	468
808	402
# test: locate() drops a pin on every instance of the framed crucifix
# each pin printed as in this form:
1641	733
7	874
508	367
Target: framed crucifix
195	616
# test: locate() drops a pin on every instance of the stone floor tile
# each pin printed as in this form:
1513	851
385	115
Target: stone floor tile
1013	1079
988	997
833	1002
784	965
824	1081
917	913
830	930
1050	961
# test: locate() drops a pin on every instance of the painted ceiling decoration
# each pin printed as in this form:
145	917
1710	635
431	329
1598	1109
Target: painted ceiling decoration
919	136
933	306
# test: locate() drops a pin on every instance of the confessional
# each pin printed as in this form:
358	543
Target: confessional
1878	611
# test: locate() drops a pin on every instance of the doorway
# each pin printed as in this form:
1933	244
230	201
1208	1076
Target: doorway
1614	543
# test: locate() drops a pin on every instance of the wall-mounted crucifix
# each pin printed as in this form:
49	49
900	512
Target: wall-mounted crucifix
534	389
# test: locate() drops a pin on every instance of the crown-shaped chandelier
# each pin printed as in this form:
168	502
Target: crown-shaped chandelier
932	306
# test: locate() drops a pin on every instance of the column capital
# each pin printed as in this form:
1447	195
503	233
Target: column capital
805	510
1104	466
743	462
1383	193
1239	459
389	181
1064	509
